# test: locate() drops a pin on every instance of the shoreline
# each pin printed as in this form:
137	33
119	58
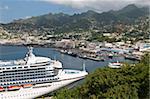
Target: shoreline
26	45
74	52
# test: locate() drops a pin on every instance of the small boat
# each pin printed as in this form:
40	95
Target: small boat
131	57
110	55
115	65
96	58
102	59
63	51
72	54
83	56
14	87
69	52
27	85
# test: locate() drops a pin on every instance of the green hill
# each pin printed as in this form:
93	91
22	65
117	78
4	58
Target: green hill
129	82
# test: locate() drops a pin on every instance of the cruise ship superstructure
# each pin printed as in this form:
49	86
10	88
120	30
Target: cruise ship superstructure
34	76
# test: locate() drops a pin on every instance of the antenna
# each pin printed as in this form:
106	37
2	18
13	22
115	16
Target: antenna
54	57
84	66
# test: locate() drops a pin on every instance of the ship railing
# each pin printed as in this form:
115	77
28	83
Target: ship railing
6	63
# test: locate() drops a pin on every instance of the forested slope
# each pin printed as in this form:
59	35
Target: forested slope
129	82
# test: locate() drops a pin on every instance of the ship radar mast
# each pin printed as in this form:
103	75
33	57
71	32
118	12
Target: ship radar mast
30	51
30	56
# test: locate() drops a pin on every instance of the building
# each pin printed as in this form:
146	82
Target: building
65	43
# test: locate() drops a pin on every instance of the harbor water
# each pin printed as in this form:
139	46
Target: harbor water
17	52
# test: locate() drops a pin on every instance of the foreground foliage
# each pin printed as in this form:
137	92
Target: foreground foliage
129	82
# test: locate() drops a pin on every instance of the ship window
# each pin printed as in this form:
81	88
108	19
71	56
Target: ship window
68	72
13	67
26	67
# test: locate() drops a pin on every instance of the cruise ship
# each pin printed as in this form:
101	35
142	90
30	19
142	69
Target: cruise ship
34	76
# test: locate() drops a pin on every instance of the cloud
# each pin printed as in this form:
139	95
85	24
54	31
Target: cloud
4	7
99	5
26	17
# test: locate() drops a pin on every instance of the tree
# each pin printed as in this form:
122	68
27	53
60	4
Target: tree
129	82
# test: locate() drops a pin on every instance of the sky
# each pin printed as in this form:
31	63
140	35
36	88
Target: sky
18	9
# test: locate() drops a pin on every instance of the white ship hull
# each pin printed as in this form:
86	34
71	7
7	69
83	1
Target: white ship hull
30	93
34	76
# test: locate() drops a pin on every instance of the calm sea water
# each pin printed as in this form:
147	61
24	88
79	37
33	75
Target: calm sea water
17	52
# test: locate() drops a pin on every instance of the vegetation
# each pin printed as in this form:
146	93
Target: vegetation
129	82
100	38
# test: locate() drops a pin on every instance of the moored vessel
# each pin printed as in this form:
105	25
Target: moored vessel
34	76
115	64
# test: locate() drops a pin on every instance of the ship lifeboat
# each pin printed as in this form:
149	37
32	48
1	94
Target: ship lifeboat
14	87
1	88
27	85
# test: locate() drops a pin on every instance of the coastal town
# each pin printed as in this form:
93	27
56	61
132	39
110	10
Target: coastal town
95	41
97	51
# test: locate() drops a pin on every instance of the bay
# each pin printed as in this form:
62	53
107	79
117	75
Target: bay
17	52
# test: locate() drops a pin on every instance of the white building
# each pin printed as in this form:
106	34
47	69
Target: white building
65	43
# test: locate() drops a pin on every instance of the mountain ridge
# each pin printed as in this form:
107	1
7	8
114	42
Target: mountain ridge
60	22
